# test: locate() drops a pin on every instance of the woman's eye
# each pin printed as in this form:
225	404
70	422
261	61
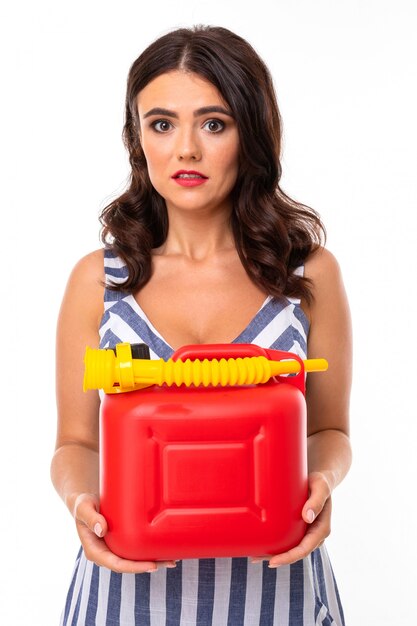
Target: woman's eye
214	126
161	126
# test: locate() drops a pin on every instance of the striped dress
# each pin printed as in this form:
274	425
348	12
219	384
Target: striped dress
204	592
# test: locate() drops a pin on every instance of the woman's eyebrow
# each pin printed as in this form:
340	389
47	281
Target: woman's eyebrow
212	109
197	112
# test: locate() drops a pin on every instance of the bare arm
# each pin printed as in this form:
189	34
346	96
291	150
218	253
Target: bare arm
329	451
75	464
327	396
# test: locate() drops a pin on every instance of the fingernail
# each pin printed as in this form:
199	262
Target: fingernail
150	571
274	565
98	530
171	565
310	515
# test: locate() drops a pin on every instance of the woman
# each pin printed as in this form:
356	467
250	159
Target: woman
204	247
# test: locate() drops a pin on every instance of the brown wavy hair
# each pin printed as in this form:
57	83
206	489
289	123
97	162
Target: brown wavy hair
273	233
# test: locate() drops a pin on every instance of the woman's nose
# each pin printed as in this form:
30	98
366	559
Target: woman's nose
188	147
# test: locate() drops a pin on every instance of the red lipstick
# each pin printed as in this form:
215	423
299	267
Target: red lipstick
189	178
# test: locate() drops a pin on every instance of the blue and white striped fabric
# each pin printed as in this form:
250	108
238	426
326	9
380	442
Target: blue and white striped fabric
205	592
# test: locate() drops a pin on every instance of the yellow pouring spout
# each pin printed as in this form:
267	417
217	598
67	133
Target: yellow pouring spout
120	372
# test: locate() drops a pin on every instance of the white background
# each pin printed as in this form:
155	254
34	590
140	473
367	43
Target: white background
345	74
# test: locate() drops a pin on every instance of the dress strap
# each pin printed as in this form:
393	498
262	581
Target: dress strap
115	272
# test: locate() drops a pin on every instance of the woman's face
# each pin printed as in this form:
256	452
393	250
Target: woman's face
190	141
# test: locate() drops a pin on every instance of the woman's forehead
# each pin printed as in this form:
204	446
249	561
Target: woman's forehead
179	90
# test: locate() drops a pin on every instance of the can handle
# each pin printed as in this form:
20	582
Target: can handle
242	350
218	351
298	380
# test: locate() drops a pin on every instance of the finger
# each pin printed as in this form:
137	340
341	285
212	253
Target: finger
96	550
314	538
86	512
307	545
260	559
319	496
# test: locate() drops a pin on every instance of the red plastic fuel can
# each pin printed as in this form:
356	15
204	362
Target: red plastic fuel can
194	472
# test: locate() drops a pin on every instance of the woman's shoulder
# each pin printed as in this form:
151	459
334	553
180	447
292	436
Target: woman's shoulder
87	275
322	267
329	296
90	265
83	301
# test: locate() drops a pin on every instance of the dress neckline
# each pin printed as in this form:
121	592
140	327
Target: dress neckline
138	309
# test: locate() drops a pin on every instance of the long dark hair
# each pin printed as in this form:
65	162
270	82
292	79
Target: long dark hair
273	233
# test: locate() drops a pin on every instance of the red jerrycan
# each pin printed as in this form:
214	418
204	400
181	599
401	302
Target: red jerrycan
195	472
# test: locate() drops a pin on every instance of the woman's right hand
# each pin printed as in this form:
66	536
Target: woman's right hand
91	528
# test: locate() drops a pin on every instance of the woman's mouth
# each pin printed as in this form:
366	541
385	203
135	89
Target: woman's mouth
189	178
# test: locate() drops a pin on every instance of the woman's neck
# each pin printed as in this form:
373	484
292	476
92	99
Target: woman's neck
197	237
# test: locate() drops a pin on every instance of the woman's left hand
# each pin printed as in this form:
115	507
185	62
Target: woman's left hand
316	513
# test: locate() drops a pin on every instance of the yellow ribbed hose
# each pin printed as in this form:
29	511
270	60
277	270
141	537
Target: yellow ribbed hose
105	370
